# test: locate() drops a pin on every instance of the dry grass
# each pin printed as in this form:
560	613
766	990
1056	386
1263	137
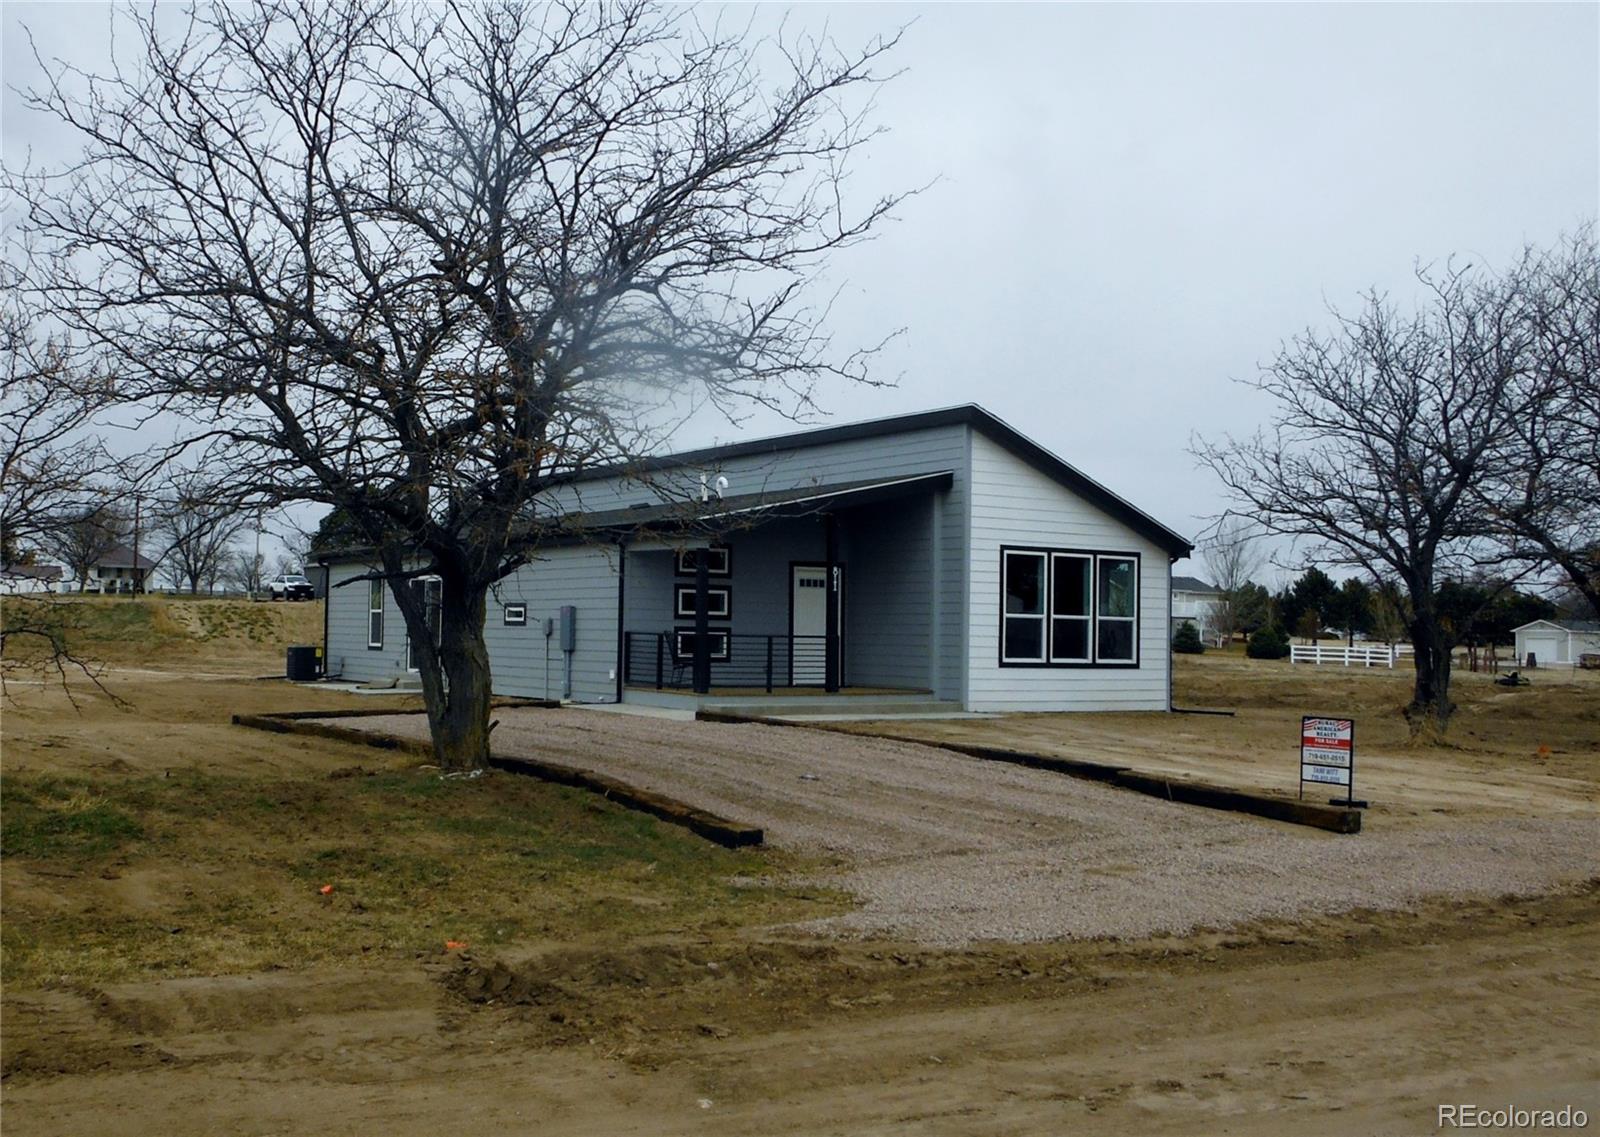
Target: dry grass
124	630
160	841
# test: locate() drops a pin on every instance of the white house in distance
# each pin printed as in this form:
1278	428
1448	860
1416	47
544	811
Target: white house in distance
1191	604
1557	641
938	557
120	570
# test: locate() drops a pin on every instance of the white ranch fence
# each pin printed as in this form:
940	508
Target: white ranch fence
1368	655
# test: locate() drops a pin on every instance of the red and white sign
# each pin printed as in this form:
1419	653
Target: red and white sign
1327	750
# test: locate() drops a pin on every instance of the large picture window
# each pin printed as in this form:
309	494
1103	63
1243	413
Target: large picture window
1069	608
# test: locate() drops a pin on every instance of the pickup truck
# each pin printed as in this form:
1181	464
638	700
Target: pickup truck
291	586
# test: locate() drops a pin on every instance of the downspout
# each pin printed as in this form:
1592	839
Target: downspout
1171	560
327	603
622	641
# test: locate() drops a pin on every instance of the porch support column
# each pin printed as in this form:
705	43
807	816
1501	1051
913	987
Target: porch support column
702	639
830	673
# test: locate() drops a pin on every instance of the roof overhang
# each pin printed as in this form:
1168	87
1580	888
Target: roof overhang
717	516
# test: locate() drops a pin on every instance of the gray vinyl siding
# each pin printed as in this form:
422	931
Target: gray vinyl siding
889	573
922	585
891	605
348	656
1014	504
587	579
860	459
890	615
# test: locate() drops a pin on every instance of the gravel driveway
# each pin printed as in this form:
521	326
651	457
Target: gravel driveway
948	849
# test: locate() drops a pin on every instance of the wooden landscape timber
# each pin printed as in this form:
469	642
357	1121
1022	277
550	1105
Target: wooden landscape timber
720	830
1334	819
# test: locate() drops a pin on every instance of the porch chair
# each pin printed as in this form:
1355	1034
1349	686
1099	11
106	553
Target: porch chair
680	663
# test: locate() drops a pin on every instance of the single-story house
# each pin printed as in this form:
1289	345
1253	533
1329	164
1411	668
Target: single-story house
120	570
1556	641
938	554
1192	599
17	580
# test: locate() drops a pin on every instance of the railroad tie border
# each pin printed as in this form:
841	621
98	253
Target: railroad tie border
720	830
1334	819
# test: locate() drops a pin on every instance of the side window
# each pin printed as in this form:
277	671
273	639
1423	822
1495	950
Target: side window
1070	610
1024	586
1117	610
375	613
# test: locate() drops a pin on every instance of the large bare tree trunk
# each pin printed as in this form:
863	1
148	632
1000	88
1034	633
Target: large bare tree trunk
461	722
455	671
1429	710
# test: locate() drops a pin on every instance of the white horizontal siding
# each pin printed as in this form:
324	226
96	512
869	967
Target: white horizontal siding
1014	504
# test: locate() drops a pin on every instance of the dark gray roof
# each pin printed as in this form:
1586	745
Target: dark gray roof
32	572
969	415
122	557
1192	584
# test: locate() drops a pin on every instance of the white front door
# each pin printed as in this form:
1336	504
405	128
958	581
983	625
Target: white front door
808	625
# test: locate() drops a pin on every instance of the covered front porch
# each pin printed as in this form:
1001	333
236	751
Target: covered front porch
833	591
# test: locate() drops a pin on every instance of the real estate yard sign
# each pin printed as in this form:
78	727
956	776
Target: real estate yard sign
1328	754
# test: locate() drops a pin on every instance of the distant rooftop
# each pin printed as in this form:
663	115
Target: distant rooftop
122	557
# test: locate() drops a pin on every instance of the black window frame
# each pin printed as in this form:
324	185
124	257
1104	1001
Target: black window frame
1049	617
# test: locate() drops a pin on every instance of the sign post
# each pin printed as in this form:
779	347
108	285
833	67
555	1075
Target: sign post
1328	757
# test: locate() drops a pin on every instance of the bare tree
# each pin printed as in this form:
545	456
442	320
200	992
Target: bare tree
424	263
244	569
1543	490
1233	557
195	524
1382	428
84	540
51	469
52	465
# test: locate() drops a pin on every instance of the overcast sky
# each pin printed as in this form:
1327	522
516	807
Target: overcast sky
1136	203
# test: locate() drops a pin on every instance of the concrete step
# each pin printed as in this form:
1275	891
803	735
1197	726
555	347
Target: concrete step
819	705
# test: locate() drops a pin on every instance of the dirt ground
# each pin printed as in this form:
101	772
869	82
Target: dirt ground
1356	1027
1510	752
704	1010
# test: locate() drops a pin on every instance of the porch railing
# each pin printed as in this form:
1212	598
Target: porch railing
658	659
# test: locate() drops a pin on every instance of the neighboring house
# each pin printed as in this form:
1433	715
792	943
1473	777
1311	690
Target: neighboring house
1557	641
18	580
961	562
120	571
1191	604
